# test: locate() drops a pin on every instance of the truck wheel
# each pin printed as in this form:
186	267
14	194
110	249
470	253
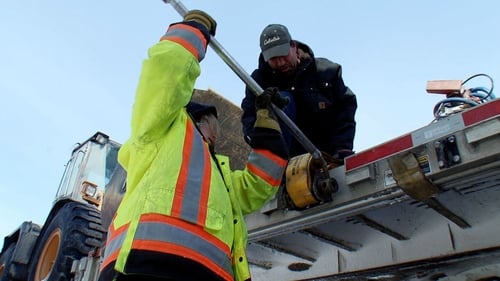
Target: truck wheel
5	259
73	232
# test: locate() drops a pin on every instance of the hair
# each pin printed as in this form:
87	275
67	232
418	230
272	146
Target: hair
211	121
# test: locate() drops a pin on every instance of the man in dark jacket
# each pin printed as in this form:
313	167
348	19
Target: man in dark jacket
320	104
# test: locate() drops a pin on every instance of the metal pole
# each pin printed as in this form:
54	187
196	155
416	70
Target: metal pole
256	88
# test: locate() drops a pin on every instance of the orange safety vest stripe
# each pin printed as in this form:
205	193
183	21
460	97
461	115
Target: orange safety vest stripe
188	240
173	236
266	165
191	193
158	218
113	243
189	37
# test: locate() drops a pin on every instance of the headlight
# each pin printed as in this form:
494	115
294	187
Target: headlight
89	189
92	194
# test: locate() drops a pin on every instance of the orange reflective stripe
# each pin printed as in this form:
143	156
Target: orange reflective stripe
184	252
273	157
184	43
205	185
184	171
109	258
192	30
266	165
188	227
189	37
164	234
113	233
113	243
193	184
262	174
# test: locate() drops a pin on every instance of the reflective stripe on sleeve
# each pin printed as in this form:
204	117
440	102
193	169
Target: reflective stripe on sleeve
189	37
267	166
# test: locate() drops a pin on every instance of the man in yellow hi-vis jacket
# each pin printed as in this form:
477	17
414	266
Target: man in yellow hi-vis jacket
182	215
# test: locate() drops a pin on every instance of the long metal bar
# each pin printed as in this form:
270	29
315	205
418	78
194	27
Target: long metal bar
256	89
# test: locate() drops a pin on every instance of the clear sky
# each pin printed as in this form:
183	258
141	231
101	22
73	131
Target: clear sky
70	68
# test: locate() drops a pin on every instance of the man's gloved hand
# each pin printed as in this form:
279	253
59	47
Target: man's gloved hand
265	115
203	19
271	95
267	132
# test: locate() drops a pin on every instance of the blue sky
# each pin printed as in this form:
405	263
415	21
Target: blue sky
70	68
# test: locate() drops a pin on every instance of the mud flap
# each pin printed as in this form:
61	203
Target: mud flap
410	178
412	181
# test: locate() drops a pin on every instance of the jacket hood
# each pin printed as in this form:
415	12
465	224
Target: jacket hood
197	110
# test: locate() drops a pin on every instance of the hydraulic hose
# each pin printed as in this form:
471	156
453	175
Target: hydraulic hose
481	93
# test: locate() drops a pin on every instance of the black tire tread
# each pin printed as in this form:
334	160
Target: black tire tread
81	233
5	259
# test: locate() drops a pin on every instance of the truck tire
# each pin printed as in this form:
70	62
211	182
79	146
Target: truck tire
5	259
73	232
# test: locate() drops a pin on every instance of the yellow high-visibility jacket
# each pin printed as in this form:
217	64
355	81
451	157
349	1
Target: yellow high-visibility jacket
180	199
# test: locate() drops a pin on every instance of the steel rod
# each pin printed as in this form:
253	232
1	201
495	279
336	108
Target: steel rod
256	88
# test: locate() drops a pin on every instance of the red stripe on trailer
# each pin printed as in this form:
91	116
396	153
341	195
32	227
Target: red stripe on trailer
481	112
378	152
470	117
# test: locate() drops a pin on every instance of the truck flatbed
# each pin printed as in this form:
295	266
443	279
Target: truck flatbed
434	223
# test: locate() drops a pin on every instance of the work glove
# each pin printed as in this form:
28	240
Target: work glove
266	133
271	95
202	18
265	115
